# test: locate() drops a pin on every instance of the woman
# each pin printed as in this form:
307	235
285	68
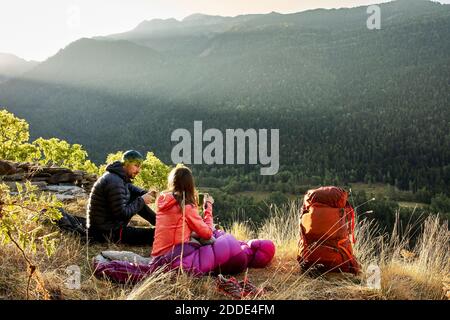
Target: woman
177	222
177	215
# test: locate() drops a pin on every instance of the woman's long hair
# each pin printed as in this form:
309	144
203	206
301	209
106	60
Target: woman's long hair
181	180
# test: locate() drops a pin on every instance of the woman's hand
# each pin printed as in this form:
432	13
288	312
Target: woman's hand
201	240
207	199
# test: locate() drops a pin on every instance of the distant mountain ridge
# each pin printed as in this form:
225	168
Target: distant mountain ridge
372	99
13	66
311	19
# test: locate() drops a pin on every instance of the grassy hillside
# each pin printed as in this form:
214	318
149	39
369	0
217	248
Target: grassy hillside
418	273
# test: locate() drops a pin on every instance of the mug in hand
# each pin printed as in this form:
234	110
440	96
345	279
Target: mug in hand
151	196
201	197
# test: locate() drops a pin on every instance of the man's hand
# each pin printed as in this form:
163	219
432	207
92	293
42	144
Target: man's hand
149	197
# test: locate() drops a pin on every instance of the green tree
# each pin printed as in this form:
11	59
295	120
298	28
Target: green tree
61	153
154	173
440	204
14	136
15	146
278	198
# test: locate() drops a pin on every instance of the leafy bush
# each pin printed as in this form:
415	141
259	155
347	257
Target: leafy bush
61	153
440	204
23	220
21	217
14	136
153	171
15	146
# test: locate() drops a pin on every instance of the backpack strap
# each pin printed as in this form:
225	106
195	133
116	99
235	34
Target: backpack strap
351	213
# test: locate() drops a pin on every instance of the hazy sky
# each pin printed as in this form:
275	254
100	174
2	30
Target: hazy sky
37	29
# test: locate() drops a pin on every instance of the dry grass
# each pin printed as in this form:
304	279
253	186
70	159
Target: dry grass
282	228
241	231
421	272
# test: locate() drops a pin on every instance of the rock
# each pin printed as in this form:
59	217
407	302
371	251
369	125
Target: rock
41	185
92	179
62	177
64	183
55	170
24	166
13	187
21	170
68	189
14	177
67	192
64	197
37	179
40	175
33	168
7	167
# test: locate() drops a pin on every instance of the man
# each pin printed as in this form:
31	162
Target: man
114	200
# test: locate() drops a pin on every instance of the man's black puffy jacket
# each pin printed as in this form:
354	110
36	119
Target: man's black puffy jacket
113	200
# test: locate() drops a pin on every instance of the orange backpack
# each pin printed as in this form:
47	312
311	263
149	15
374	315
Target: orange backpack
327	223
